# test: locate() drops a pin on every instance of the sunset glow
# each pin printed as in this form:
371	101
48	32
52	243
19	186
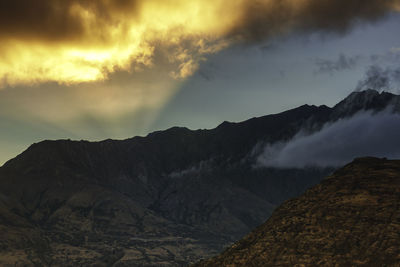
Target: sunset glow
82	41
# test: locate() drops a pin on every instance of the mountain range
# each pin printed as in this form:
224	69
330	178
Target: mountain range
168	199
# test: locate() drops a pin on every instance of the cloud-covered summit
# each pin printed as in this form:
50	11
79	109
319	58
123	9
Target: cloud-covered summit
364	134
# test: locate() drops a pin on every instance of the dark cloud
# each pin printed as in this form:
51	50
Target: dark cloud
364	134
55	19
380	79
331	66
263	19
72	41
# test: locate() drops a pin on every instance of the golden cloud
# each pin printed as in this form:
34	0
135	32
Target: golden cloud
85	40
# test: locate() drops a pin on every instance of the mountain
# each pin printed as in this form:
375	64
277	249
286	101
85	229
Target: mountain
170	198
351	218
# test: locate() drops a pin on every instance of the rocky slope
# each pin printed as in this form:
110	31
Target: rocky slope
169	198
351	219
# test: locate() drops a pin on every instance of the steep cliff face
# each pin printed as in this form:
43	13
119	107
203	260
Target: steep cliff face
169	198
352	218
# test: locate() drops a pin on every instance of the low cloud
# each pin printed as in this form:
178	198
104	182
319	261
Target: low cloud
331	66
364	134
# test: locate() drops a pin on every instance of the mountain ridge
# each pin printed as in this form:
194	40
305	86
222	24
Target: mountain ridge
362	99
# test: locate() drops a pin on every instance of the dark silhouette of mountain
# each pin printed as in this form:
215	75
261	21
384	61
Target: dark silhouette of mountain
169	198
351	219
365	100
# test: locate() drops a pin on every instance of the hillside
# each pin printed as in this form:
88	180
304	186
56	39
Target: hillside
351	219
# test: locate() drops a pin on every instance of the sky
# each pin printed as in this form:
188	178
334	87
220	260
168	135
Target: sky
118	68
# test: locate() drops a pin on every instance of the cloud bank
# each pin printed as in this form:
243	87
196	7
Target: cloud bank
364	134
79	40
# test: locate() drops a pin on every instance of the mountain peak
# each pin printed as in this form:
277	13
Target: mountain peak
365	100
365	94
